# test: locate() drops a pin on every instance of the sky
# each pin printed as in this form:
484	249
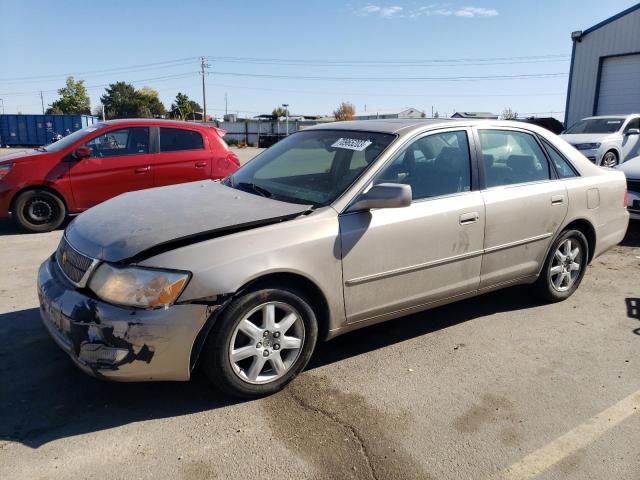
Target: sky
469	55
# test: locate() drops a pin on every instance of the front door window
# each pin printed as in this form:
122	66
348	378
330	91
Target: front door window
116	143
435	165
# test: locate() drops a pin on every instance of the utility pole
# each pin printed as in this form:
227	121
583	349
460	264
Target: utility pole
1	100
203	71
286	111
42	102
225	104
103	114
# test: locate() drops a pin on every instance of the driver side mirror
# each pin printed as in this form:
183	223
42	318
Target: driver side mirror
633	131
81	152
384	195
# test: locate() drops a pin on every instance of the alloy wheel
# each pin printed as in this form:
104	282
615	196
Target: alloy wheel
609	160
266	342
566	265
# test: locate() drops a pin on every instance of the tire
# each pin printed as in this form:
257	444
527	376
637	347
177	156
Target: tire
609	159
550	286
39	210
243	338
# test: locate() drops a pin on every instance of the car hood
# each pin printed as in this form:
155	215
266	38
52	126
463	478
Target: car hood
574	138
631	168
141	224
22	156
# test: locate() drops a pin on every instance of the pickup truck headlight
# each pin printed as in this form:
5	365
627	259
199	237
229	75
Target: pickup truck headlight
587	146
138	287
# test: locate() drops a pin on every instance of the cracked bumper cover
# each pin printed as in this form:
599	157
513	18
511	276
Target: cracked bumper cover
118	343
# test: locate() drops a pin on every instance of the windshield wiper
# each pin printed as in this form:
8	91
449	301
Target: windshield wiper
255	188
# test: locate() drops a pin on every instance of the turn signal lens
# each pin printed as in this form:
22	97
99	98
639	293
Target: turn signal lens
137	287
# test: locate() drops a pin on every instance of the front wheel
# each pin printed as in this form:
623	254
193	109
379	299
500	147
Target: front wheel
39	210
610	159
260	342
564	267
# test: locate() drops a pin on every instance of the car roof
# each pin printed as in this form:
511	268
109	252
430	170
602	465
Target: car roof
622	115
401	126
156	121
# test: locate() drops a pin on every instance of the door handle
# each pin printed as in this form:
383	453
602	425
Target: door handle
200	164
469	218
142	169
557	199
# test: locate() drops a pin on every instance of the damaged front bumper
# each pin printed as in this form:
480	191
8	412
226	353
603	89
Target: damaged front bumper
118	343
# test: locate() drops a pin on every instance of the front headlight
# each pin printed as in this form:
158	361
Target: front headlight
137	287
587	146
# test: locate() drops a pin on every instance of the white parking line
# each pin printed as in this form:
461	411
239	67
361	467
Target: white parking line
572	441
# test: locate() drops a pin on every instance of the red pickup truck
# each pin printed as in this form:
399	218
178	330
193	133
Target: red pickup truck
40	187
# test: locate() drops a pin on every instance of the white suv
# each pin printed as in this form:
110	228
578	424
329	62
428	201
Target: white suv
606	140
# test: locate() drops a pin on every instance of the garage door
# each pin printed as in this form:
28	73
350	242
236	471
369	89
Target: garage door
619	85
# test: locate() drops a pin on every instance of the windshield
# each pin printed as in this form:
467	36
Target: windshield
311	167
71	139
596	125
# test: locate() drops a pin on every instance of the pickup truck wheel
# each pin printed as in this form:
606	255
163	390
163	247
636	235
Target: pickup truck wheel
260	342
39	210
564	267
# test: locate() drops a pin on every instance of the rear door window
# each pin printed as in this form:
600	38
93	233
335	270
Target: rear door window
512	157
178	139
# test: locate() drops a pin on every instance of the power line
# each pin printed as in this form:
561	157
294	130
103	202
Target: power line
393	64
403	79
452	62
92	87
387	62
421	95
144	66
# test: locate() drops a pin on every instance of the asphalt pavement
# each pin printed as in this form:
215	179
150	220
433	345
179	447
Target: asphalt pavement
499	386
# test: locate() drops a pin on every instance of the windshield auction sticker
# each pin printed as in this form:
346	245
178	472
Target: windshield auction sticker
352	144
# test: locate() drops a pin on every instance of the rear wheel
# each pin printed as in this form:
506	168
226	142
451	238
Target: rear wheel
564	267
610	159
261	341
39	210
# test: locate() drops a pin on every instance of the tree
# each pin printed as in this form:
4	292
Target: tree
73	99
508	114
122	100
345	111
150	103
279	112
183	107
436	114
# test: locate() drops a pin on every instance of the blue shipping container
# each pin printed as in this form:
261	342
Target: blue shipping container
36	130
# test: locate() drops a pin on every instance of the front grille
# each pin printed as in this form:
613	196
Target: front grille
633	185
71	262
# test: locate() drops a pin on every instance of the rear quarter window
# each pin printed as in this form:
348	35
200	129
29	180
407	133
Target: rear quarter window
563	167
178	139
